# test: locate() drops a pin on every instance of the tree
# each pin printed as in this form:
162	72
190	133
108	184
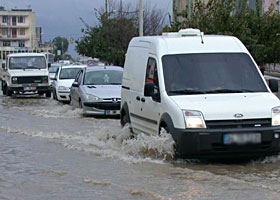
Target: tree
60	43
109	40
259	32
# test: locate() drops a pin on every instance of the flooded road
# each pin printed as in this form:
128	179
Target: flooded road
50	151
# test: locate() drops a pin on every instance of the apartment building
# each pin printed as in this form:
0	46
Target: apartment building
18	32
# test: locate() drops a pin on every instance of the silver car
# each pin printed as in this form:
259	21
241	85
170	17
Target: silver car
97	90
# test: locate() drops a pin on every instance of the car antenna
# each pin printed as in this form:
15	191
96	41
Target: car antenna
201	34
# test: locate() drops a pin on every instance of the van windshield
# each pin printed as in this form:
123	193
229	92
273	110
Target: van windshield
211	73
27	62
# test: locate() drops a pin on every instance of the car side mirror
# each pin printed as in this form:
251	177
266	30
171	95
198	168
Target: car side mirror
49	65
75	84
262	70
273	85
4	66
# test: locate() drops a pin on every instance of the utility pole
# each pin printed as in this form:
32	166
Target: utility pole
141	32
106	6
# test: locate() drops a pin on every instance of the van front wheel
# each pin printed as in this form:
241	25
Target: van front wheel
165	128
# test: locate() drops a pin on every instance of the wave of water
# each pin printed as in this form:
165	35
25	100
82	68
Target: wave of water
108	143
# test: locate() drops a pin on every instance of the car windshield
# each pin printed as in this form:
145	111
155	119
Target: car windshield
211	73
103	77
53	68
69	73
27	62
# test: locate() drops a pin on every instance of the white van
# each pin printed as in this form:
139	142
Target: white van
26	72
205	90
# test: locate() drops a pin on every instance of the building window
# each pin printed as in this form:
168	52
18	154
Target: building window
6	43
4	19
4	31
21	44
22	31
14	43
21	19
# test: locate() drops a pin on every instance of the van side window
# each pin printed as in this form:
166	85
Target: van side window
151	72
152	75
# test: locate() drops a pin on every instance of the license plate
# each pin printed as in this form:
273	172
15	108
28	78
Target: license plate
111	112
243	138
29	88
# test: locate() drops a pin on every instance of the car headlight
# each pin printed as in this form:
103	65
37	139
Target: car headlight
275	119
194	119
90	97
62	88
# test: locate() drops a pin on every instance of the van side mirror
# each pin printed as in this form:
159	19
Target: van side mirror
149	91
49	65
4	66
75	84
273	85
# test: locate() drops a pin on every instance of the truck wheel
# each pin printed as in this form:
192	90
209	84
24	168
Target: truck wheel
8	92
48	94
124	118
4	89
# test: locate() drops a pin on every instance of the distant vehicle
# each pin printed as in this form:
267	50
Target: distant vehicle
52	71
65	62
49	57
26	72
63	80
204	90
97	90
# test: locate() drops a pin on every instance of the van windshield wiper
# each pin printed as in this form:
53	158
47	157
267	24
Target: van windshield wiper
186	91
227	91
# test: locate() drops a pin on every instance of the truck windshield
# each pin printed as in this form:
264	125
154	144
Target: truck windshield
211	73
27	62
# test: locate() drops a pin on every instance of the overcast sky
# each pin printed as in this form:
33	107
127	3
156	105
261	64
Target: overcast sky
62	17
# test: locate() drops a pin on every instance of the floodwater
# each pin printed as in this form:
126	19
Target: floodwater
50	151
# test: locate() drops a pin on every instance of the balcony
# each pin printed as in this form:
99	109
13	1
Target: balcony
18	25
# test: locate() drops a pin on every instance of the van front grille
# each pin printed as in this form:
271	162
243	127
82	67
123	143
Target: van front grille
246	123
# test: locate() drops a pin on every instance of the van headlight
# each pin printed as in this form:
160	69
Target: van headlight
275	119
90	97
194	119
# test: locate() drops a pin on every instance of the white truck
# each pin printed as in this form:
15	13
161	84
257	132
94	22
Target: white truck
26	72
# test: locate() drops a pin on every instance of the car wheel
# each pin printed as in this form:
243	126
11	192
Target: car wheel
54	95
80	104
48	94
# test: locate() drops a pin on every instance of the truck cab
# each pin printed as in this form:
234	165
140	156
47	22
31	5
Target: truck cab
26	72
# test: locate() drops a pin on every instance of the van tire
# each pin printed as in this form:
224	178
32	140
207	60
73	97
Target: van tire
125	119
165	127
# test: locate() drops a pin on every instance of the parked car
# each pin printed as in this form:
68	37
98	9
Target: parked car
52	71
97	90
63	80
206	91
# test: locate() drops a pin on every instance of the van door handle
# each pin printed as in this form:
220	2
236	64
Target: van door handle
143	99
138	98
